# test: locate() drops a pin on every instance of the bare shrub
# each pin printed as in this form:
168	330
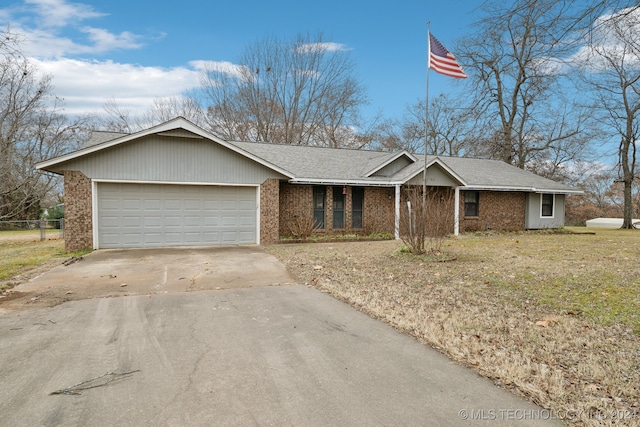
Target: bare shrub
426	222
301	226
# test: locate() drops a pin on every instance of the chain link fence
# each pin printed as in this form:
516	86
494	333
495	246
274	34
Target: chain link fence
38	229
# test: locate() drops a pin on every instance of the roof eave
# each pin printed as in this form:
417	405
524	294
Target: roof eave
177	123
521	189
349	182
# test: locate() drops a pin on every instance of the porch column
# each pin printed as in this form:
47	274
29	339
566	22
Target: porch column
397	216
456	213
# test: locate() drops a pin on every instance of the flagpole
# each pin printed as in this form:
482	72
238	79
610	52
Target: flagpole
426	118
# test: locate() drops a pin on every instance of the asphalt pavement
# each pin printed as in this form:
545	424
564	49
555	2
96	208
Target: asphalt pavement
261	356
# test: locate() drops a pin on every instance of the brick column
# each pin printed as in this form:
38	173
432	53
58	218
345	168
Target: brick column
78	220
269	211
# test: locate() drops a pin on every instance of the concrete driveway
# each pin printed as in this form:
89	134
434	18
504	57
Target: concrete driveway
261	355
123	272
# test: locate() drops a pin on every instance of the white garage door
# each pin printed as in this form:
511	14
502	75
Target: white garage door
154	215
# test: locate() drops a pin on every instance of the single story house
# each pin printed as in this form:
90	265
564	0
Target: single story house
176	184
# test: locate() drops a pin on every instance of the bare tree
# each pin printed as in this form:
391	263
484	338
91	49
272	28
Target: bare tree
165	109
115	118
516	80
611	68
302	91
426	220
32	129
451	125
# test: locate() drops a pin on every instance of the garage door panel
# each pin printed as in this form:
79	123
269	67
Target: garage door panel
153	215
152	205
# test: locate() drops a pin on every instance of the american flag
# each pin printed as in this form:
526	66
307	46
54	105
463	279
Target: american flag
442	61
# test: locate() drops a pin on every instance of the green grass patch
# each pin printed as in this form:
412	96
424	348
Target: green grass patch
596	276
17	257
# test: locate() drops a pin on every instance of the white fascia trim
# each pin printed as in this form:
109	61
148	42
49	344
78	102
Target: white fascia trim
349	182
258	231
94	214
391	160
134	181
443	166
177	123
396	222
554	192
510	188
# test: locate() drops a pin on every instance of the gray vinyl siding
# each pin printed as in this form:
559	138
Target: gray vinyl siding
534	220
394	167
436	176
171	159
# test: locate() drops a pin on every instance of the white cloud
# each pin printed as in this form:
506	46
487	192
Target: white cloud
104	41
53	31
325	46
87	85
59	13
614	36
43	24
233	70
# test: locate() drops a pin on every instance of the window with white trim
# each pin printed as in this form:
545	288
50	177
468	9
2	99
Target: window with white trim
548	202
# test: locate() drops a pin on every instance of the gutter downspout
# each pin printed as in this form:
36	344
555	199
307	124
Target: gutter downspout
397	215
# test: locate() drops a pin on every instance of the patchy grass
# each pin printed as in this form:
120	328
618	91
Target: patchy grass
551	316
17	257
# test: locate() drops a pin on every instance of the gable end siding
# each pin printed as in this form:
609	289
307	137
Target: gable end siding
436	176
393	167
171	159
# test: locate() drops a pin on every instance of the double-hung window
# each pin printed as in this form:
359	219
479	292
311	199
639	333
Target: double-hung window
338	207
547	205
318	206
471	203
357	206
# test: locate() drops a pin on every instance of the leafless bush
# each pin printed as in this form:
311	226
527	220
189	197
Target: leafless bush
425	222
301	226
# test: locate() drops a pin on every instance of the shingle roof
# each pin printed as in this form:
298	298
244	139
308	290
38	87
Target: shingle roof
343	166
482	173
100	136
331	164
318	162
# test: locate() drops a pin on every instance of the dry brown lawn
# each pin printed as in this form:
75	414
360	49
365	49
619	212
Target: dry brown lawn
552	317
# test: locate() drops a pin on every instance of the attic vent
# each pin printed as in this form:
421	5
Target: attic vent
179	133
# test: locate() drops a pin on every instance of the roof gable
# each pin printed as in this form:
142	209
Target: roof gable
178	127
394	164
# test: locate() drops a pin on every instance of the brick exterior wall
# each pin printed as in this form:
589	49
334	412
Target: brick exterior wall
296	201
78	233
378	209
504	211
280	202
269	211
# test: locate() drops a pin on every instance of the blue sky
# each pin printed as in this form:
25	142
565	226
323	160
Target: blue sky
134	52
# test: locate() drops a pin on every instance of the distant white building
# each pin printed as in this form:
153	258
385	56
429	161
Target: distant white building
610	223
